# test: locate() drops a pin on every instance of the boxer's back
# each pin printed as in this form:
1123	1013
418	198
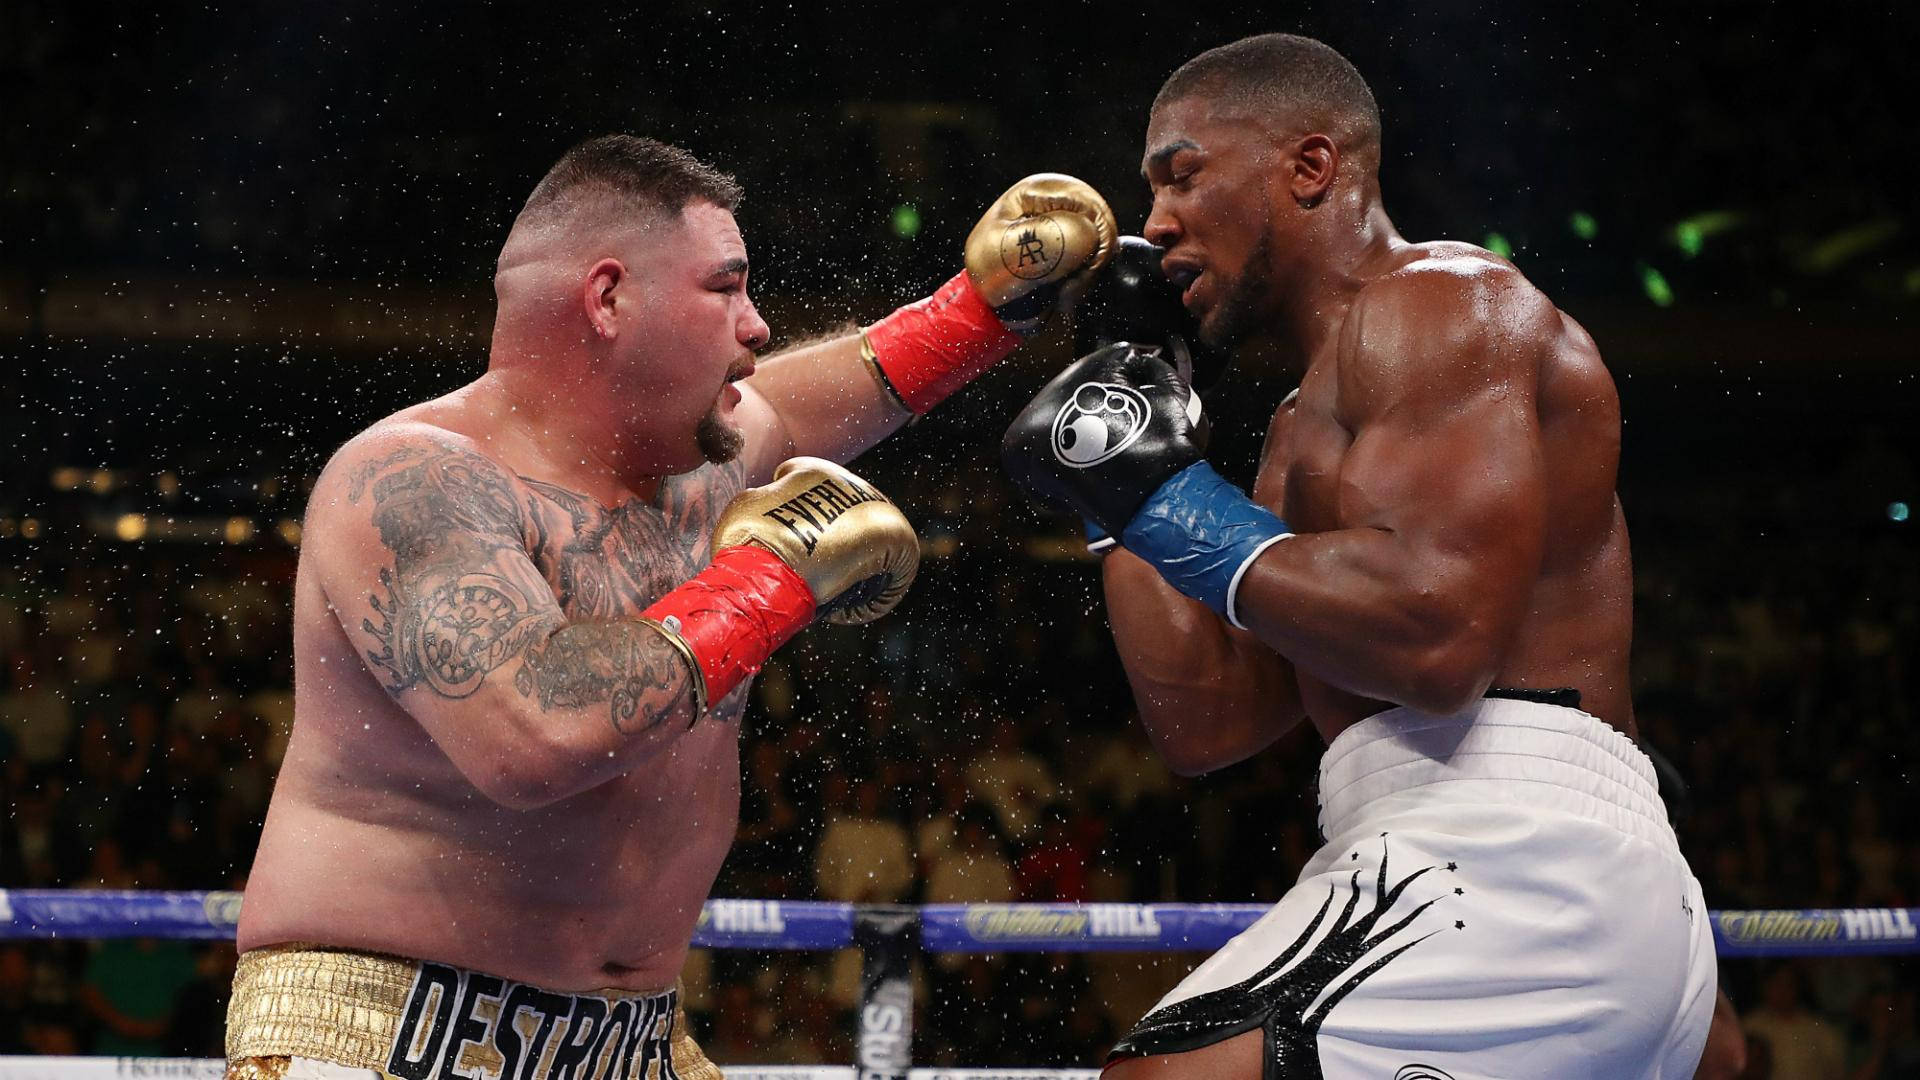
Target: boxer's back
375	840
1576	628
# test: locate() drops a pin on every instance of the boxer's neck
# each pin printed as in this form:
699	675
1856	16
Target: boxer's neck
1350	245
565	423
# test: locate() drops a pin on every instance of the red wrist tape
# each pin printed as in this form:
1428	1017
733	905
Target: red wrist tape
931	348
735	613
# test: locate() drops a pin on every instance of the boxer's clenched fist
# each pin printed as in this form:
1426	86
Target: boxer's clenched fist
1047	233
1043	238
853	547
817	542
1105	434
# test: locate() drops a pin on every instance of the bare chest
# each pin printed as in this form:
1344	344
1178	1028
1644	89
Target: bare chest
1299	475
607	562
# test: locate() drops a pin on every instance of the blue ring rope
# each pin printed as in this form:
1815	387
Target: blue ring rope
796	924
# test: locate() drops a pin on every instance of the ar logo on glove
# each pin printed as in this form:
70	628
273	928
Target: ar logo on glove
1099	421
1031	247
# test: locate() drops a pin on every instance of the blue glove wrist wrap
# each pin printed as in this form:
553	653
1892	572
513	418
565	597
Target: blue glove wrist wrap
1202	533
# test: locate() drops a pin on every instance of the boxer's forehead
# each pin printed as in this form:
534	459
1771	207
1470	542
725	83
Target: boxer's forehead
1189	123
713	226
706	237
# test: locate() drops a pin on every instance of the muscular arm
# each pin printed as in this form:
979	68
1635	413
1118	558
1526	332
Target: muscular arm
818	398
420	544
1416	597
1209	695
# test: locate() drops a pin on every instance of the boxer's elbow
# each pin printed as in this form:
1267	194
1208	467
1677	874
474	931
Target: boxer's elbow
1184	759
1195	737
523	780
1448	676
537	765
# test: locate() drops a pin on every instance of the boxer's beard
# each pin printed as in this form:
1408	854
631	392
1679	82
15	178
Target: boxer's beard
719	442
1240	312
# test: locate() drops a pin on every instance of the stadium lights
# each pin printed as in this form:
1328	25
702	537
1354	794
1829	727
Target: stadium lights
906	221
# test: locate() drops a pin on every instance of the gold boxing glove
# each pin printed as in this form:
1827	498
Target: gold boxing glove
853	548
1047	232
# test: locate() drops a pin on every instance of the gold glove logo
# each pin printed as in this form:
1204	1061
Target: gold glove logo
1032	248
808	514
1099	421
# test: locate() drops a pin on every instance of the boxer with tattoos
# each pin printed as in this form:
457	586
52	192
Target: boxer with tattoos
527	614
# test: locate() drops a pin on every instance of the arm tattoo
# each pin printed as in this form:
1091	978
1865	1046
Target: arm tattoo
464	598
624	663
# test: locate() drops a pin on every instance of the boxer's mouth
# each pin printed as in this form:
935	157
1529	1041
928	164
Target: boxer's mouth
1185	276
1193	288
737	372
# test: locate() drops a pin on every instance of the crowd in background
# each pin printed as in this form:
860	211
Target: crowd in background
978	745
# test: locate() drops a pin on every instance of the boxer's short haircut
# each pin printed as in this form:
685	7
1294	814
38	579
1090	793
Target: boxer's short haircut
1282	75
650	177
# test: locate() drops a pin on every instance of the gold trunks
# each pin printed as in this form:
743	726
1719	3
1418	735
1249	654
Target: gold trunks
416	1020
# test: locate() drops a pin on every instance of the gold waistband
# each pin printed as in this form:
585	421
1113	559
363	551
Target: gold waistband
402	1017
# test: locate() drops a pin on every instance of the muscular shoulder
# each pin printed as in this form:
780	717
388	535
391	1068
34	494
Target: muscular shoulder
416	478
1453	317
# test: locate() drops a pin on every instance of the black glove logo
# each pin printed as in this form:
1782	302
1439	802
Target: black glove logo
1097	422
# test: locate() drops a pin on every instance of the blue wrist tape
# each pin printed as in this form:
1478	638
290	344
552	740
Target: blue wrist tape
1202	533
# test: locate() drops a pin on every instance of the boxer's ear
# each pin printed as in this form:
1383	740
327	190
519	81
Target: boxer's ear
1311	169
597	297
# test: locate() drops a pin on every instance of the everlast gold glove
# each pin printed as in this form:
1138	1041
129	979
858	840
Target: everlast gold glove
818	541
853	548
1044	238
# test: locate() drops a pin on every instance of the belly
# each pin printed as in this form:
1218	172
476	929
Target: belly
599	890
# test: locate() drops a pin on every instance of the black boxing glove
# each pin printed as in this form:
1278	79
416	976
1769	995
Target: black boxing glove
1118	437
1105	433
1130	299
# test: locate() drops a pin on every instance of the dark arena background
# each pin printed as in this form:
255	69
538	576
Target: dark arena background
231	236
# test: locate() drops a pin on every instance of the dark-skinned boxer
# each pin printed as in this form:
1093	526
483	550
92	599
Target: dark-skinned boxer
1433	568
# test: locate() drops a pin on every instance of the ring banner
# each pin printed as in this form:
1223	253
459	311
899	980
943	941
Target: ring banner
774	924
77	913
886	936
993	928
1816	932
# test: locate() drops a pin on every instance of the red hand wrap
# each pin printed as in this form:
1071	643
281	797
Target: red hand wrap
929	349
735	613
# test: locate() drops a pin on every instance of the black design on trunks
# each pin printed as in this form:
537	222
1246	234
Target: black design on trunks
1279	1003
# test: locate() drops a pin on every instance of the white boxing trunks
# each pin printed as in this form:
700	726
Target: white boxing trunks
1500	895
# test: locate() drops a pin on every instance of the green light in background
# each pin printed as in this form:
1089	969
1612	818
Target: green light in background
1497	244
1897	511
906	221
1583	225
1848	244
1689	239
1655	284
1690	235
